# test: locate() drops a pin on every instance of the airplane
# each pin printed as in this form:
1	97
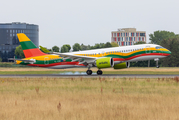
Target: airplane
116	57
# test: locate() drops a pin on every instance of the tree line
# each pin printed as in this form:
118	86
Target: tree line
78	47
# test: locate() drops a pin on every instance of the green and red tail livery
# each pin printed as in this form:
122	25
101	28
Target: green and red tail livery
28	47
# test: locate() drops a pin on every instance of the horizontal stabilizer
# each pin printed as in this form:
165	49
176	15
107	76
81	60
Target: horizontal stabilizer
26	61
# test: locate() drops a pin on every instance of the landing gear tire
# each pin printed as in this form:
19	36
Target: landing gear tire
89	72
99	72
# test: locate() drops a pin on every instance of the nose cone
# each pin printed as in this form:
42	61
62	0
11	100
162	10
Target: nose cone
168	52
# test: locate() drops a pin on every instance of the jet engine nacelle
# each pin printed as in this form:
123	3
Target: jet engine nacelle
104	62
122	65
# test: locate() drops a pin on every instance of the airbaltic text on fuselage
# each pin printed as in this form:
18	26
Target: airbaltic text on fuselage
103	63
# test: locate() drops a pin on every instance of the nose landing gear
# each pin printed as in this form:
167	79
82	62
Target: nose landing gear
157	66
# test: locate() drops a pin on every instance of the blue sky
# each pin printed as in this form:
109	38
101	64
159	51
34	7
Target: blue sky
90	21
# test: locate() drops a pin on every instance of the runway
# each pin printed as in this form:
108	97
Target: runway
89	76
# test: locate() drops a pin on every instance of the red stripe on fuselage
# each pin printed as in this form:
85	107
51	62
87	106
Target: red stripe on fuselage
149	54
33	52
160	54
118	59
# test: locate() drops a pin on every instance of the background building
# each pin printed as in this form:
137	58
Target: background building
128	36
9	40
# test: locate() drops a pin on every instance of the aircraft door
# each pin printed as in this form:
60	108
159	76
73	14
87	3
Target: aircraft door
103	52
147	50
46	60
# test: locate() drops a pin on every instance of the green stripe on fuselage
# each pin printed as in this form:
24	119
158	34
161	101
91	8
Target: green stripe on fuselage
47	61
167	52
136	53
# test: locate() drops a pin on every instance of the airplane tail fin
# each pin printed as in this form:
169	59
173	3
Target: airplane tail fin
28	47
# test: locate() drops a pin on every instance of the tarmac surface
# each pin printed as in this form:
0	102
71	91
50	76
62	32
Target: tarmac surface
88	76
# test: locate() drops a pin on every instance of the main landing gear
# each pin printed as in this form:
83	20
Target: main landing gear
89	72
157	66
99	72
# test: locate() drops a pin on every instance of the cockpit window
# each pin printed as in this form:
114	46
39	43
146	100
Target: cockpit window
158	47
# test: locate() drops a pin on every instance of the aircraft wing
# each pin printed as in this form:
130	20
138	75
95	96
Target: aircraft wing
85	59
81	59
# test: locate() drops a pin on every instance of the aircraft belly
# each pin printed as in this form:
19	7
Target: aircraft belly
141	58
64	66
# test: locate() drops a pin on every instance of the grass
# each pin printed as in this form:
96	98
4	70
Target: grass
36	70
89	98
105	72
